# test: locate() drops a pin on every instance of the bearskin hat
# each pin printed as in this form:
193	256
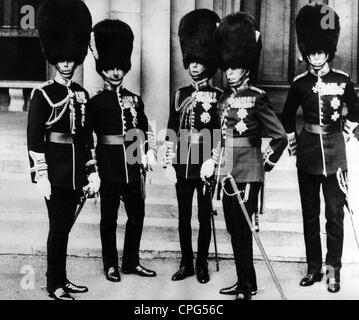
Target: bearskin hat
312	35
195	33
64	30
113	40
238	42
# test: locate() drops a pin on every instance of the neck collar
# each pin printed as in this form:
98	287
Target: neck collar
61	80
244	85
200	84
109	87
322	72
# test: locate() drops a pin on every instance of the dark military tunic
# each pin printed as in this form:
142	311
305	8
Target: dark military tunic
60	109
322	98
246	115
194	110
119	112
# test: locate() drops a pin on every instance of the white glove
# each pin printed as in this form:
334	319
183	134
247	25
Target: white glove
292	144
151	158
94	182
207	169
170	173
43	186
349	128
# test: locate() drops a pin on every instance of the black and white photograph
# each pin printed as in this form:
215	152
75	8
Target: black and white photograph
194	152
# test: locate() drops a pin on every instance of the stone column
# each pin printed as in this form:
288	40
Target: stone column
130	12
100	10
179	76
204	4
156	60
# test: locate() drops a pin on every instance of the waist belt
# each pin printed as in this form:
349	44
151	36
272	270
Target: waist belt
243	142
322	129
112	139
58	137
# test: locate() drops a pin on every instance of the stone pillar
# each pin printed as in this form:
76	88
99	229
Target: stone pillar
100	10
17	101
204	4
130	12
156	60
179	76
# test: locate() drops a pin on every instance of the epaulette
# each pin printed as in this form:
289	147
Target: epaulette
300	76
41	86
256	90
341	72
48	99
97	92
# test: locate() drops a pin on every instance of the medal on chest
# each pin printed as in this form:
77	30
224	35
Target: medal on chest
206	100
241	105
326	90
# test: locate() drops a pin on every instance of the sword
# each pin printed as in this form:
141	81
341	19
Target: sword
343	185
81	204
253	230
209	191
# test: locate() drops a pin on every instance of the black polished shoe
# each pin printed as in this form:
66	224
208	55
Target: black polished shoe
233	290
202	274
183	273
113	274
61	294
333	285
139	270
244	295
73	288
310	279
333	279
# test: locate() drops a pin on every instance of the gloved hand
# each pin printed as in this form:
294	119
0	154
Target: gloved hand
151	159
207	169
351	129
43	186
292	144
170	173
94	182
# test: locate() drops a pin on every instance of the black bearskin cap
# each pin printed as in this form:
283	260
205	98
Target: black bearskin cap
114	45
312	37
64	30
195	32
238	42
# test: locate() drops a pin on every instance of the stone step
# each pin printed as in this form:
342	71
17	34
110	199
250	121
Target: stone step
284	239
280	205
292	250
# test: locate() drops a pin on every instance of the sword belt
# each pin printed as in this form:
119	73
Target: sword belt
112	139
59	137
243	142
322	129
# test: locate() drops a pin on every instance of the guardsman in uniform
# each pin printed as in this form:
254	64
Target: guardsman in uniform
118	118
321	92
245	112
193	114
58	141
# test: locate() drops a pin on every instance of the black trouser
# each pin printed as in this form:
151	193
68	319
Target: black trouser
309	187
185	189
132	197
241	235
61	210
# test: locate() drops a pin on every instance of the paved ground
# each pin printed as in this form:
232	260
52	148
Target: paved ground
16	270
